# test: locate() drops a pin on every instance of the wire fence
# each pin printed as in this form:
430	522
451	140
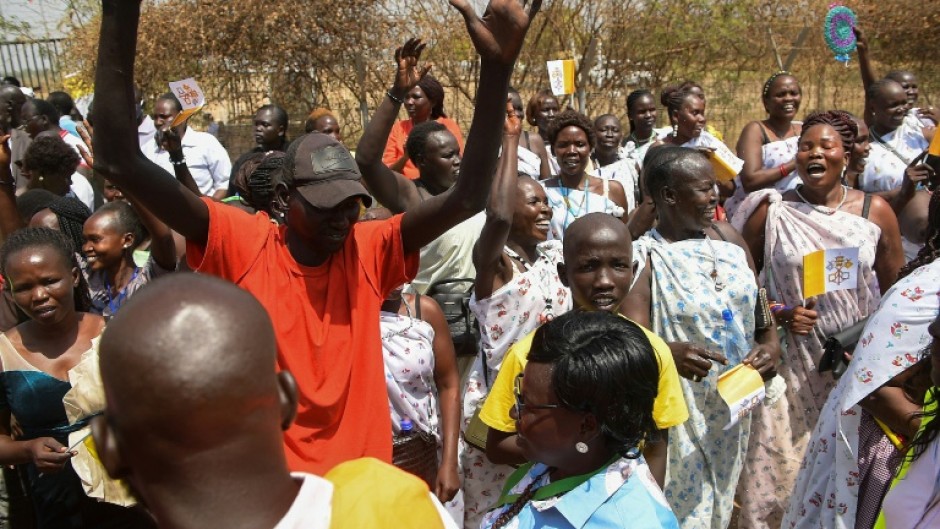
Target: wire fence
35	63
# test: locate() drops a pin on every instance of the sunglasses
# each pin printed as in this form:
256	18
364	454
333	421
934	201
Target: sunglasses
520	405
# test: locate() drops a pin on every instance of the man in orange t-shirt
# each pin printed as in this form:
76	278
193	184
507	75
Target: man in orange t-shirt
321	276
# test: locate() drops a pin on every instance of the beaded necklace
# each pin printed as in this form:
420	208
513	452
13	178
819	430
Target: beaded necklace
826	209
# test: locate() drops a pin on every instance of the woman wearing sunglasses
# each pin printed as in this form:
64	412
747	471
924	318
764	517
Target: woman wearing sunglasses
584	404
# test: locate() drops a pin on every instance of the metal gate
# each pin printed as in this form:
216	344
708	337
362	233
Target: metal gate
35	63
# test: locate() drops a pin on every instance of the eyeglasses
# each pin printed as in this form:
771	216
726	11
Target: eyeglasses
517	392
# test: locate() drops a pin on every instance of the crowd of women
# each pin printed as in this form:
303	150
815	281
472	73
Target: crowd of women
536	324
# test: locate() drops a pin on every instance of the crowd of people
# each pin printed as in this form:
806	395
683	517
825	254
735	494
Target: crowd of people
519	329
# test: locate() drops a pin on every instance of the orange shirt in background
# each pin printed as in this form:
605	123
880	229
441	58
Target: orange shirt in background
326	320
395	146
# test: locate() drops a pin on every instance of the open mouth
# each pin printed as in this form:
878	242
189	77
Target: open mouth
543	225
789	107
571	161
816	170
604	302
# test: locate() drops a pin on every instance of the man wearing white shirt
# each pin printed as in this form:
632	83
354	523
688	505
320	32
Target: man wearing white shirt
207	161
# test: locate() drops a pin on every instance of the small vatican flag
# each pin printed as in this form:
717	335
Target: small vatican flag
561	76
829	270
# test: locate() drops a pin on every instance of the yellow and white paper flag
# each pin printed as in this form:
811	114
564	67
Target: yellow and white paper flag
561	76
829	270
191	97
742	389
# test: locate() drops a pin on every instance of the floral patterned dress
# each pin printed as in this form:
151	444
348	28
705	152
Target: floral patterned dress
528	300
773	154
826	495
408	350
782	430
705	460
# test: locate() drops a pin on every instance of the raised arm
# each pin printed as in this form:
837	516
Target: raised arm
498	38
488	250
392	190
864	61
117	151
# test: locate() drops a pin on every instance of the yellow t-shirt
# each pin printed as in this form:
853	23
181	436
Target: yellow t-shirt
669	408
366	491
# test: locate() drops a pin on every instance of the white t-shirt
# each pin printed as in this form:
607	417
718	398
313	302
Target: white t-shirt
207	160
914	501
313	505
890	156
146	131
82	190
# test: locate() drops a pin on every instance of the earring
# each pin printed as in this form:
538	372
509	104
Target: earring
581	447
675	129
41	178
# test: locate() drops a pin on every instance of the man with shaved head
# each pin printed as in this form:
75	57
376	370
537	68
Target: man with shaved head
195	426
598	269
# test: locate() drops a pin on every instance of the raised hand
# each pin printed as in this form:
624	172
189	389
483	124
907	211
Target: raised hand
86	132
5	155
861	43
513	125
499	34
407	58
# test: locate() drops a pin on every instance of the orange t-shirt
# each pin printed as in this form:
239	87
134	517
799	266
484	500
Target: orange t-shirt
395	146
326	320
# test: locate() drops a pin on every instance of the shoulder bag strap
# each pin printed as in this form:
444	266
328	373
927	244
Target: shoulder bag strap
417	306
866	206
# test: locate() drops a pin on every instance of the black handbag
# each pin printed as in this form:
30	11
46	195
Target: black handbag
416	454
844	341
453	295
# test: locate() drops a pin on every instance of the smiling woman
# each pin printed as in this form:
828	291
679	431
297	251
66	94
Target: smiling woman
895	143
696	275
574	193
768	147
517	288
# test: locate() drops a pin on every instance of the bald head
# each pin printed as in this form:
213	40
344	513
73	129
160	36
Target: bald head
598	265
594	226
11	101
201	340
